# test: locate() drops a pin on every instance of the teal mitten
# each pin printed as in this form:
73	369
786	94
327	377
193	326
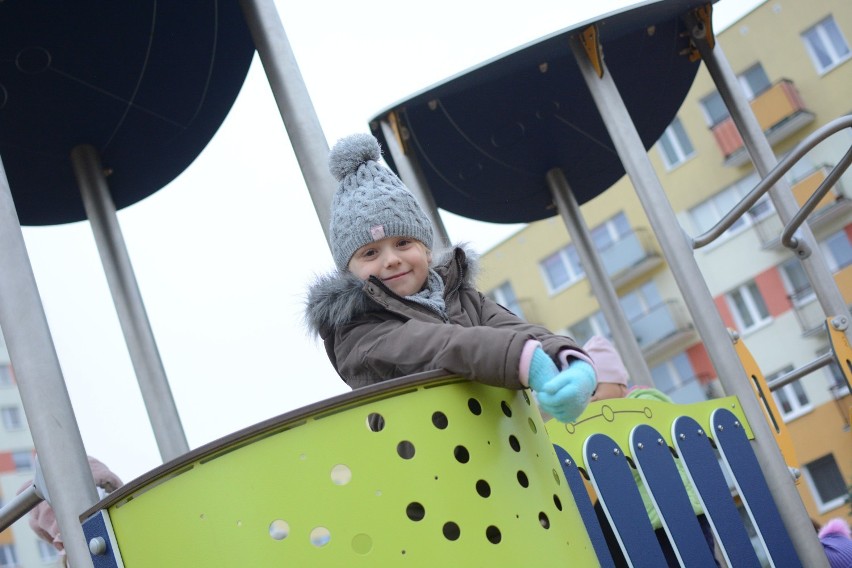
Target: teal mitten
566	395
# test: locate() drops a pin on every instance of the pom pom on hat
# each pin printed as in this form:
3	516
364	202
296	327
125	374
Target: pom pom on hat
371	202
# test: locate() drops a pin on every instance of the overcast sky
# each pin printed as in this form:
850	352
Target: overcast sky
223	255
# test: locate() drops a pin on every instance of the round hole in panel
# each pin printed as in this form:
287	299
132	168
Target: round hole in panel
279	529
461	454
474	406
507	410
493	535
320	536
542	518
533	427
451	531
405	449
439	420
341	474
557	501
362	543
415	511
375	422
513	441
523	480
483	488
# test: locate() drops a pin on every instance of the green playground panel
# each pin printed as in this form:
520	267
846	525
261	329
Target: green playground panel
446	473
617	417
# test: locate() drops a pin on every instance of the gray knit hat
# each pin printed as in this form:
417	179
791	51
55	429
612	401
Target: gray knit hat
371	202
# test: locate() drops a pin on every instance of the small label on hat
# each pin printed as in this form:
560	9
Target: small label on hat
378	232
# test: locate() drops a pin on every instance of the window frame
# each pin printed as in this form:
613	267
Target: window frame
12	418
823	506
675	140
507	300
575	274
747	290
828	47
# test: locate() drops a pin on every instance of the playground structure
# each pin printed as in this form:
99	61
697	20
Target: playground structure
584	47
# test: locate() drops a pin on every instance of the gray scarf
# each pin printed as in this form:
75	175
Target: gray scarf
432	295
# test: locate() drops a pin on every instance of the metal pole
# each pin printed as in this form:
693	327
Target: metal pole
764	160
412	177
127	298
18	506
678	252
294	103
47	405
625	341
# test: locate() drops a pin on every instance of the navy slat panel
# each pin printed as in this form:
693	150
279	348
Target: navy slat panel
660	475
584	505
703	468
736	451
613	481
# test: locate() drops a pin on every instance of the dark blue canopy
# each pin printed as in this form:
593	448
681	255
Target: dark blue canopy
146	83
486	138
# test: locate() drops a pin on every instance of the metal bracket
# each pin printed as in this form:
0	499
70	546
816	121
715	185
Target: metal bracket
701	22
592	46
400	131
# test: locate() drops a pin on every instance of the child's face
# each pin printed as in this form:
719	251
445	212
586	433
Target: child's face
401	263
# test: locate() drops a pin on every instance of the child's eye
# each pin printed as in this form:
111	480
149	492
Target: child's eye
403	243
369	252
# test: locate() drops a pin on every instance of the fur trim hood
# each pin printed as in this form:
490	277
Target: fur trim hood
337	298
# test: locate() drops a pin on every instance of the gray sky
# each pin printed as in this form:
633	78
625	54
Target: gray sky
223	255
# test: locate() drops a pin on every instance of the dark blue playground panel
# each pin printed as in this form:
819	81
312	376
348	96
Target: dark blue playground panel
584	505
146	83
697	453
737	453
611	476
655	462
485	139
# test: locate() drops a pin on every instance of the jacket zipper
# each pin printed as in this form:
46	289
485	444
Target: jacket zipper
393	294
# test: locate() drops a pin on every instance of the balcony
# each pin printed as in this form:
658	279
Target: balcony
809	311
630	257
780	111
663	328
833	204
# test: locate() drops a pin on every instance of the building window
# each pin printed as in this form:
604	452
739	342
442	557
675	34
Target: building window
674	145
826	45
23	460
6	379
706	214
748	307
791	400
676	378
611	231
640	301
8	558
837	384
826	483
796	281
505	296
562	269
47	552
837	251
583	330
753	82
13	418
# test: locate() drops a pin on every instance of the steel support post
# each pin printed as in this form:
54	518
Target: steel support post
764	159
294	103
47	405
412	177
679	256
127	298
622	335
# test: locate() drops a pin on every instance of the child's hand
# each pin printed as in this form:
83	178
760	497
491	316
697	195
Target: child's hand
542	369
566	395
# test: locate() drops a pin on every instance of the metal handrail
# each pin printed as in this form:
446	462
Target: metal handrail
775	175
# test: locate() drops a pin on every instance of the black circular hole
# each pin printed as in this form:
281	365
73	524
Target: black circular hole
483	488
523	479
375	422
545	522
506	409
415	511
474	406
461	454
493	535
513	441
451	531
405	449
557	501
439	419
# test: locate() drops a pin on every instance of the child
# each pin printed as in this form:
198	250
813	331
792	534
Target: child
389	310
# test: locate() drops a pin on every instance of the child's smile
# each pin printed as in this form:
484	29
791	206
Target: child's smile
401	263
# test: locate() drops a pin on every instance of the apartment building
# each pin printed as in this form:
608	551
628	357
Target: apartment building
794	62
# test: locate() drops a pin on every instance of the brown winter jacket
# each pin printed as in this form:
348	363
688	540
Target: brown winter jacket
372	335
